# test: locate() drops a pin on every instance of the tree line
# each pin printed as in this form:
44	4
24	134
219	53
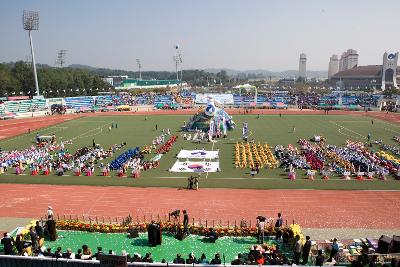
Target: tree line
17	79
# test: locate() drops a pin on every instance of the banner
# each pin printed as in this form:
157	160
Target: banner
198	154
211	130
108	260
245	130
225	99
224	125
192	166
22	97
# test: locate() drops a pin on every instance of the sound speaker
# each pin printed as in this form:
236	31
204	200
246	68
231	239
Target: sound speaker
384	244
396	244
154	234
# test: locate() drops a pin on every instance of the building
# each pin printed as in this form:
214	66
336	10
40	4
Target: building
382	76
115	80
287	81
148	84
303	66
348	60
333	66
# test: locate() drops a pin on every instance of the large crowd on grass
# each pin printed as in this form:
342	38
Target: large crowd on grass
354	158
48	156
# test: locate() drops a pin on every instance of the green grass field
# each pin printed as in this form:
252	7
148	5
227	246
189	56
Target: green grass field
272	129
229	246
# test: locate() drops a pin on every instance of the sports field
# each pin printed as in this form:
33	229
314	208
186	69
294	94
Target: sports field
271	129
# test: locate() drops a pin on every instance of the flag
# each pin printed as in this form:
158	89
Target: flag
211	131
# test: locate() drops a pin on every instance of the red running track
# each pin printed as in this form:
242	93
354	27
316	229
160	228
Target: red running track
10	128
314	209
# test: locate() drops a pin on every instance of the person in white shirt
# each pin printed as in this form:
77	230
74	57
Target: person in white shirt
50	213
261	230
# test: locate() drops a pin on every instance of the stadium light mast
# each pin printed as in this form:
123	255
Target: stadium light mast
61	58
177	60
180	62
140	68
30	21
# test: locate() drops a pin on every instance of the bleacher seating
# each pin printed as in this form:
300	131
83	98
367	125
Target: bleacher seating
163	99
262	100
79	102
142	100
103	100
2	110
23	106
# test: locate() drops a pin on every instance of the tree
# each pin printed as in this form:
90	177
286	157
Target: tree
391	91
8	83
24	74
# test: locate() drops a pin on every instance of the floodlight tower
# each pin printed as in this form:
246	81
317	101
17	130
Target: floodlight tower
30	21
140	68
61	57
180	62
177	60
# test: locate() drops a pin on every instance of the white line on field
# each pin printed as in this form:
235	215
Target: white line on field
347	129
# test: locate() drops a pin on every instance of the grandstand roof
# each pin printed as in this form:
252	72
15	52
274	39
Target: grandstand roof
150	82
362	71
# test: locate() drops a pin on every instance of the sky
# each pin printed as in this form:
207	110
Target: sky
235	34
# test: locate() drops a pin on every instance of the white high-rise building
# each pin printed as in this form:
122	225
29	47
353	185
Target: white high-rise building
348	60
333	66
303	66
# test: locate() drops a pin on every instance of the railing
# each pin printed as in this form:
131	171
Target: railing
16	261
161	218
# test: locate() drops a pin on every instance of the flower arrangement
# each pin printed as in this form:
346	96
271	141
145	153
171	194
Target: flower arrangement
296	230
76	225
25	232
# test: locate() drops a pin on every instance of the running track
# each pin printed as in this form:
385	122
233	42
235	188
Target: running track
311	209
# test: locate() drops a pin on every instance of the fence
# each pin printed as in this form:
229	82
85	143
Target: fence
161	218
17	261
